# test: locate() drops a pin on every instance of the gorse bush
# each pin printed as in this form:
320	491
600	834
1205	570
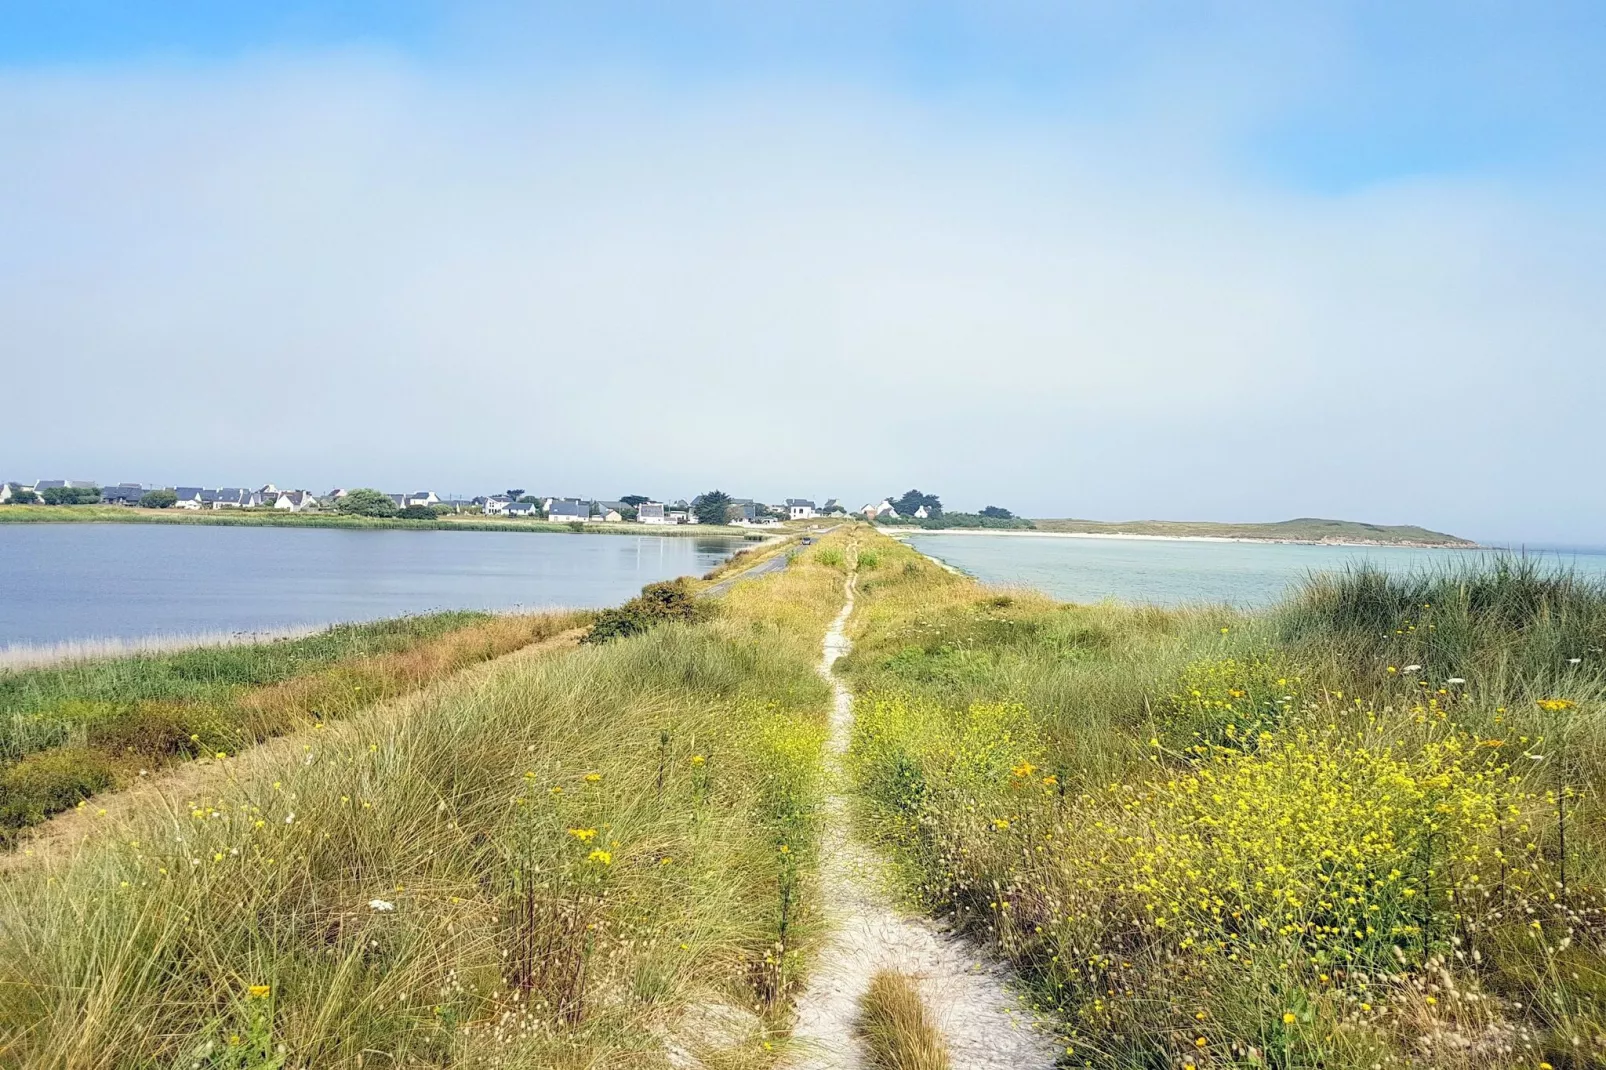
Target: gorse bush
672	600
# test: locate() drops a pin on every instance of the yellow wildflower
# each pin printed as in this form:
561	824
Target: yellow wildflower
600	857
259	991
583	835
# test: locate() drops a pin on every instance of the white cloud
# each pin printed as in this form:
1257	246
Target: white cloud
352	270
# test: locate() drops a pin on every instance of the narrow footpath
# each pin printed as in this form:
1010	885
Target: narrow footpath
967	993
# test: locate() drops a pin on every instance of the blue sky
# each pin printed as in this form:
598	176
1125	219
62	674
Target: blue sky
1227	261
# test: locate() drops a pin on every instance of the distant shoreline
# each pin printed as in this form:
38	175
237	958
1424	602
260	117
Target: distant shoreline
1133	536
117	514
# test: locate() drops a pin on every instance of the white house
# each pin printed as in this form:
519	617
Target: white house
606	514
295	501
497	504
420	497
874	512
529	509
920	513
651	513
188	497
234	498
799	508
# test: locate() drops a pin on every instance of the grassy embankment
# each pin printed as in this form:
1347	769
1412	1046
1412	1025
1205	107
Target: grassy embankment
1305	529
1364	829
581	860
108	514
71	731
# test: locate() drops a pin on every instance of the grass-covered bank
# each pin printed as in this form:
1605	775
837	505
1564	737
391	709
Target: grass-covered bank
69	732
583	860
117	514
1361	830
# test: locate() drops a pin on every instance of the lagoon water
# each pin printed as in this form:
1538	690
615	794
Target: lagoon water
1173	572
66	582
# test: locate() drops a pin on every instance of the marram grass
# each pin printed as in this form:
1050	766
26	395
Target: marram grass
1298	839
898	1029
558	863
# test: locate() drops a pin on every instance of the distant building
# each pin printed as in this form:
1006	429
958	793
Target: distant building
832	507
295	501
921	514
122	494
525	509
799	509
420	497
569	509
651	513
189	497
497	504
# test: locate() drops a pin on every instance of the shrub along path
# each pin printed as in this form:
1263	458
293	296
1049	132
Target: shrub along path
974	1008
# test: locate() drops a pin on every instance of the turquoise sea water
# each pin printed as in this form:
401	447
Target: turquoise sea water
1166	572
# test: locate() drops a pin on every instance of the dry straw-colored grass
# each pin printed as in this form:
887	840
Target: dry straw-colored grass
898	1030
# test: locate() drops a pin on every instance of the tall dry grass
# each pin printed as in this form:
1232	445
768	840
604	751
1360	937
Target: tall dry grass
899	1030
560	864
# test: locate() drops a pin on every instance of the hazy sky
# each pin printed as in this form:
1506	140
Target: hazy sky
1114	260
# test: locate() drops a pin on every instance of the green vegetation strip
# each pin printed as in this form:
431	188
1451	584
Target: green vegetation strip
69	732
113	514
1364	829
589	859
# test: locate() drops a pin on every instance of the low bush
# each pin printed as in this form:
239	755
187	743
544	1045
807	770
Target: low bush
672	600
43	784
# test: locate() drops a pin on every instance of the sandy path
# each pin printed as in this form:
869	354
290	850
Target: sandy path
985	1025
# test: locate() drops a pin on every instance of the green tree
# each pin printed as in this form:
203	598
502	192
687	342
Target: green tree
417	512
913	499
713	507
995	512
366	501
23	496
158	499
71	495
634	500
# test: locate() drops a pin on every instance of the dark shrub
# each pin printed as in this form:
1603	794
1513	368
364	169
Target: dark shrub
657	603
48	783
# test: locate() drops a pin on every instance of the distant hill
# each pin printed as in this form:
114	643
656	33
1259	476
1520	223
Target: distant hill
1305	529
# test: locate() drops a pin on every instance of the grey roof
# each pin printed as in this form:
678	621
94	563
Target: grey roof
569	507
49	484
188	494
790	502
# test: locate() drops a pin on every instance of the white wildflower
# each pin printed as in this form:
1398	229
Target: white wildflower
381	906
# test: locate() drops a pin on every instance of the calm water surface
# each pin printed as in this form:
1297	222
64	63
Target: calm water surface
76	581
1173	572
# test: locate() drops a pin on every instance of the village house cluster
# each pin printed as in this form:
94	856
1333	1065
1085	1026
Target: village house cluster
511	503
